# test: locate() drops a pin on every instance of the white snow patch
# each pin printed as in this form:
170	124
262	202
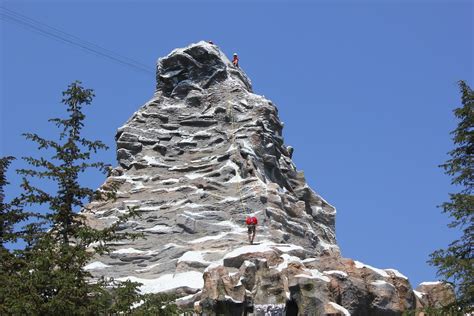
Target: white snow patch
360	265
191	279
171	245
193	175
174	189
287	259
185	298
339	308
233	165
381	283
248	249
228	297
315	274
214	265
327	245
235	228
137	186
397	273
289	247
148	267
264	246
419	294
169	181
341	273
207	238
96	265
160	228
246	147
231	148
229	199
128	251
138	304
192	256
431	283
193	205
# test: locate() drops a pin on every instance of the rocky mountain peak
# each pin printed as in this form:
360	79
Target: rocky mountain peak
197	159
196	68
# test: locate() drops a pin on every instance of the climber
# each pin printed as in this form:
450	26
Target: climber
251	222
235	61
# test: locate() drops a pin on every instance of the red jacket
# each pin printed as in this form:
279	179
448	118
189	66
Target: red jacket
251	220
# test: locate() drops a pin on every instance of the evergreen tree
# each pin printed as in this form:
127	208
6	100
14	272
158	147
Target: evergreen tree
47	277
51	279
456	263
8	218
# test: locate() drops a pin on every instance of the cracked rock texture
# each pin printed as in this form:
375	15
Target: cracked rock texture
195	160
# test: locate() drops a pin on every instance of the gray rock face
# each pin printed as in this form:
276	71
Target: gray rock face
197	159
200	156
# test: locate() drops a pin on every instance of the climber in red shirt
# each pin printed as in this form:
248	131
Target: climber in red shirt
251	222
235	61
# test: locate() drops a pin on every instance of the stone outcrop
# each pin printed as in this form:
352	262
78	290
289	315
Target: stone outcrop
200	156
434	295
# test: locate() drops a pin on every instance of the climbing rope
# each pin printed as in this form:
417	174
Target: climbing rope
230	110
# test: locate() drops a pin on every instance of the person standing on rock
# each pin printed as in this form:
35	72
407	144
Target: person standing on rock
251	222
235	61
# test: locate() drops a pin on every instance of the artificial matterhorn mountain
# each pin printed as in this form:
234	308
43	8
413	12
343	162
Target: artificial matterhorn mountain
197	159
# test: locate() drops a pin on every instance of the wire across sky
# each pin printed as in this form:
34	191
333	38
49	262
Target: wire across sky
67	38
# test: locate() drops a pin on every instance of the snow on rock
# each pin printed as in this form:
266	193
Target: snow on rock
418	294
339	308
160	229
214	264
148	268
381	283
96	265
360	265
431	283
207	238
230	298
248	249
397	273
315	274
287	259
265	246
288	248
191	279
341	273
128	251
192	256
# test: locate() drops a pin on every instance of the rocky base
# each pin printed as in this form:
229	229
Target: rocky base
285	284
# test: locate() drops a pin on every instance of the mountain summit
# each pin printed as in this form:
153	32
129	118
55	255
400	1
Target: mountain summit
197	159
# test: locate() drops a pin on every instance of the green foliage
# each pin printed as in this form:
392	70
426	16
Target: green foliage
456	263
47	277
160	304
11	214
124	297
430	311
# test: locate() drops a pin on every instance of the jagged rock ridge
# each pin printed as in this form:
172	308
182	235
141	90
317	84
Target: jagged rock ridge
195	160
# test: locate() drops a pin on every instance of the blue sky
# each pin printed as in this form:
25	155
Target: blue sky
366	90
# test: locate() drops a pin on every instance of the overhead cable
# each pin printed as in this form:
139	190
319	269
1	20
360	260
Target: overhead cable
62	36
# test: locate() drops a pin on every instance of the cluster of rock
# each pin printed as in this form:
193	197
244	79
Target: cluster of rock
200	156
